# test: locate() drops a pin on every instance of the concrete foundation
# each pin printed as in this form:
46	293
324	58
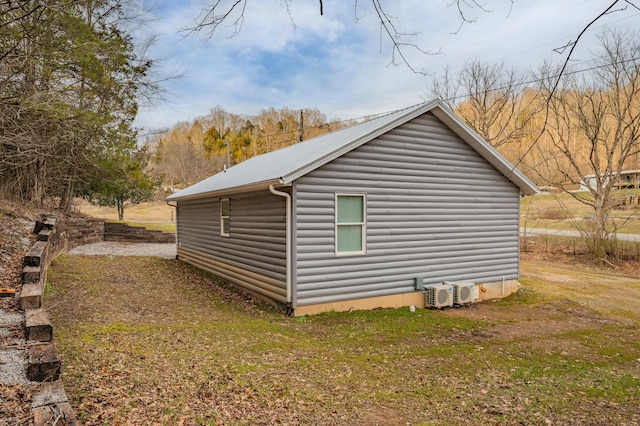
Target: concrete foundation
485	291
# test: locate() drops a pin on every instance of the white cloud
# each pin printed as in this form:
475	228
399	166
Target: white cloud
340	66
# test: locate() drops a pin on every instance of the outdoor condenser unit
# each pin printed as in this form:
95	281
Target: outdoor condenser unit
463	293
438	295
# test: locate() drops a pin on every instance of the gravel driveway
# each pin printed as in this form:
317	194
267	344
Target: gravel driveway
106	248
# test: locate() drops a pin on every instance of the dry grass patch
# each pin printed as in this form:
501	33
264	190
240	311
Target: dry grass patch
157	212
614	296
563	212
152	341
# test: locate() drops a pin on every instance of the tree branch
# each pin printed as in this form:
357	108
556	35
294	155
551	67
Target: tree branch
563	68
395	35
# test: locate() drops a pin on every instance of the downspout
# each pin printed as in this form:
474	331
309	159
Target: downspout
288	239
175	206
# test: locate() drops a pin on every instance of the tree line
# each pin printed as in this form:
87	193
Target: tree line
191	151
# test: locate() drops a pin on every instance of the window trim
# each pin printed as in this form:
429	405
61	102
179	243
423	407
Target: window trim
363	224
223	217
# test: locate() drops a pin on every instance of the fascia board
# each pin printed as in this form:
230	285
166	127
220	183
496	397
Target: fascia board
228	191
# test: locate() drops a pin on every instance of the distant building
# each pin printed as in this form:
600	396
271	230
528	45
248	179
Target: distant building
628	179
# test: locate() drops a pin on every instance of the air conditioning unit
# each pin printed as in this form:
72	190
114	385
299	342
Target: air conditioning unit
438	295
463	293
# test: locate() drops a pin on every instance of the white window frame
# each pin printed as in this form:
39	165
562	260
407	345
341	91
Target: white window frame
223	217
363	224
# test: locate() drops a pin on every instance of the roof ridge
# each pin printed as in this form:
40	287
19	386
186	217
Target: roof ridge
365	120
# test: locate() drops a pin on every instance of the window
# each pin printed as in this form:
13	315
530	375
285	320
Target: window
224	217
350	224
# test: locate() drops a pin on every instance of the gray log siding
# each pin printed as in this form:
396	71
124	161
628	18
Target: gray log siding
435	209
253	256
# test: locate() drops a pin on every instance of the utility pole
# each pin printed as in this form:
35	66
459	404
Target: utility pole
301	126
226	141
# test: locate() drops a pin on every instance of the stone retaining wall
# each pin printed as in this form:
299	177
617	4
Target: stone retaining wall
123	233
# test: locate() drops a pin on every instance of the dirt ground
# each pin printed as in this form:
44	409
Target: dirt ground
149	341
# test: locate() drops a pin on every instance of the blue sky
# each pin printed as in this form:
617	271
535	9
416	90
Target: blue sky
342	67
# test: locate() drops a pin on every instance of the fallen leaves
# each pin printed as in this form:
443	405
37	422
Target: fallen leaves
15	404
172	347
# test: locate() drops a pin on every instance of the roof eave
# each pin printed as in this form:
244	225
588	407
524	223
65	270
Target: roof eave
258	186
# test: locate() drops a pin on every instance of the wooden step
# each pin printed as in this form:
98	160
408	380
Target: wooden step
31	274
49	223
34	256
44	234
60	414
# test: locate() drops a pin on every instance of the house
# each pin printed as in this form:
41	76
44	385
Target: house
628	179
362	217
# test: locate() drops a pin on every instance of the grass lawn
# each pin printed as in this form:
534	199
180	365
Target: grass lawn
563	212
153	215
154	341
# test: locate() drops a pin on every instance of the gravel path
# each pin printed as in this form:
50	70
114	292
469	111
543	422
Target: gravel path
13	359
106	248
14	367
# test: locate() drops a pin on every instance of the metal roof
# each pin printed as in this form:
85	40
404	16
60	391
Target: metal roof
285	165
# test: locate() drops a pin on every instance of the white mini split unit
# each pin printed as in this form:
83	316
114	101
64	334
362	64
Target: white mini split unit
463	293
438	295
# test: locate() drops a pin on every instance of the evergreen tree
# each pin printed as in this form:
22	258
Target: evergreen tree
70	76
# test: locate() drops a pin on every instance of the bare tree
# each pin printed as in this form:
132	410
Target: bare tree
594	126
181	156
231	13
490	99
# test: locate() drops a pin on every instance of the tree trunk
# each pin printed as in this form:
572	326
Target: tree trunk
38	191
67	194
120	209
600	226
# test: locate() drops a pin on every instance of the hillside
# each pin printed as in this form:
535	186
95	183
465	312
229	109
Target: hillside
16	223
